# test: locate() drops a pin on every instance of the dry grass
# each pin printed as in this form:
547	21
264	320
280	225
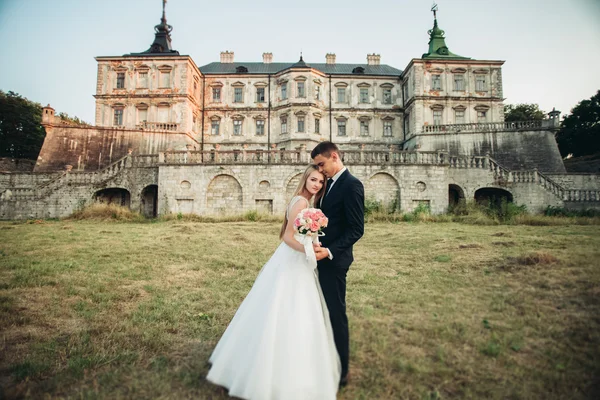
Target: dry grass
97	309
104	212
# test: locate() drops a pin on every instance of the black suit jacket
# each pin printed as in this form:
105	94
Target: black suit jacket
344	206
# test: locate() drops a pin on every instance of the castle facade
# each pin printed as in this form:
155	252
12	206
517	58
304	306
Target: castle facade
233	136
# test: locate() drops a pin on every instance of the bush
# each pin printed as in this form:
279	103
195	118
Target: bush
551	211
376	211
102	211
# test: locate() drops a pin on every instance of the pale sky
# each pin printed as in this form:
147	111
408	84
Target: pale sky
551	48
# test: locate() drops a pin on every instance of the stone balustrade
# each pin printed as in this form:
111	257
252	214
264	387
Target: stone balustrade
145	160
302	157
489	126
158	126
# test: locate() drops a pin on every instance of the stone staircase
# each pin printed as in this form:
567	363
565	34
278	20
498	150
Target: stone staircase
503	175
69	178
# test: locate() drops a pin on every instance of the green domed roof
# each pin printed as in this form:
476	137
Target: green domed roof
437	45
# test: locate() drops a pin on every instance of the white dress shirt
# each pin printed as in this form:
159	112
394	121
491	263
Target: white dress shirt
335	178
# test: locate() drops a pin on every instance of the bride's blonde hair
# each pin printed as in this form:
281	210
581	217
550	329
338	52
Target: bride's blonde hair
300	188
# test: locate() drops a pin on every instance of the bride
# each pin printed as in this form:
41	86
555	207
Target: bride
279	344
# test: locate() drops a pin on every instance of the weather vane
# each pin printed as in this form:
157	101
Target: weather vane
434	8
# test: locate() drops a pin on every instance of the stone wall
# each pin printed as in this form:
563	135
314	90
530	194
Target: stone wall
77	192
203	189
221	189
16	164
23	179
517	150
577	181
93	148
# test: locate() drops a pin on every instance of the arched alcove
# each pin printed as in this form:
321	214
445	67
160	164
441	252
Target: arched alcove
118	196
224	195
383	188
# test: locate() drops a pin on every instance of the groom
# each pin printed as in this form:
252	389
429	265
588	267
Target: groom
343	204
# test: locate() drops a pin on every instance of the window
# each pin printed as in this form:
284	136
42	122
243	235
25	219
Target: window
142	79
214	126
163	113
142	115
300	86
317	125
260	127
165	79
481	116
317	92
436	82
341	95
480	83
341	127
120	80
459	116
237	127
260	95
387	96
459	82
284	91
437	117
216	94
387	128
364	128
237	95
118	120
283	125
364	95
300	124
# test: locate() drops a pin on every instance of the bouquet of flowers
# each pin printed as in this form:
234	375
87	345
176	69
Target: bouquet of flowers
310	222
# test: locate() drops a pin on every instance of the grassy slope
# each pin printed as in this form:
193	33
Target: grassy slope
133	310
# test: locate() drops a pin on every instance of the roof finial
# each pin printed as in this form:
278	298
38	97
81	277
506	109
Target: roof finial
162	37
434	8
301	56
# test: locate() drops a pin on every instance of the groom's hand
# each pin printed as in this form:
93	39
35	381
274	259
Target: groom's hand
321	253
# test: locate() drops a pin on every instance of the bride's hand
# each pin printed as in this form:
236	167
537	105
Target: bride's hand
321	253
317	245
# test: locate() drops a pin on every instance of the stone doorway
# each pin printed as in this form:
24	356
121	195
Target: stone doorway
456	196
149	201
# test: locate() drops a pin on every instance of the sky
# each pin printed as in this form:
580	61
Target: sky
551	48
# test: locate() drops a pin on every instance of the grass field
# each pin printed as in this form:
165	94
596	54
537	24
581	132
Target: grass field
437	310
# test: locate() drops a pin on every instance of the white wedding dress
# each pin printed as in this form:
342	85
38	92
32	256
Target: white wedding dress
279	344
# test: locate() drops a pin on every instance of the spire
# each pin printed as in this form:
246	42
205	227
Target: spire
300	63
162	38
437	41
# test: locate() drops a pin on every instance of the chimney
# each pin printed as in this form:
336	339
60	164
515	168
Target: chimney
227	57
373	59
267	58
330	58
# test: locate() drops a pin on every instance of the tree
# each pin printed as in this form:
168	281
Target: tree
523	112
21	132
579	132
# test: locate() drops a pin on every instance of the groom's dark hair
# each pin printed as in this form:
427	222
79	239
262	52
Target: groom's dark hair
325	149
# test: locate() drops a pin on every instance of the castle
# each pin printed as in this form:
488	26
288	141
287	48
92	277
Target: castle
230	136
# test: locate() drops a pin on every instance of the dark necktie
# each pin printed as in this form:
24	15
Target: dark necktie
329	183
